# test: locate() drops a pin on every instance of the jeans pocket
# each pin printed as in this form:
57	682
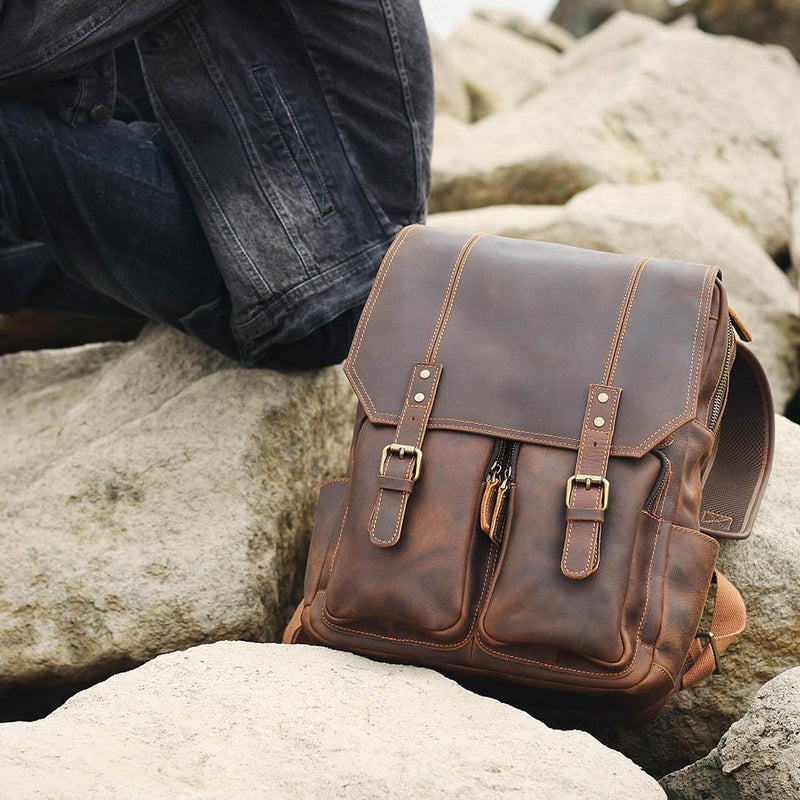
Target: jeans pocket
211	324
286	146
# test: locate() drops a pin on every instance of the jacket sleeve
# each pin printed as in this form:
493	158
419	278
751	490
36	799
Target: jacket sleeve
51	40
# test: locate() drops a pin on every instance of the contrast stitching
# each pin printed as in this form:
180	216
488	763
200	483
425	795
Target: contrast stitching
383	272
699	534
606	454
333	480
666	672
447	295
431	645
404	498
617	344
452	295
623	672
622	306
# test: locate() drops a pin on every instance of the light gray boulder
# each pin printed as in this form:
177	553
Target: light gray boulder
544	32
757	758
237	720
500	68
621	30
677	105
155	495
450	91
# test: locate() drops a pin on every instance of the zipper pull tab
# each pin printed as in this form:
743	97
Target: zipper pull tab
501	508
489	494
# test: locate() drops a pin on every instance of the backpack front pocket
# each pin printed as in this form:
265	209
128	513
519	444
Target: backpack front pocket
531	603
426	584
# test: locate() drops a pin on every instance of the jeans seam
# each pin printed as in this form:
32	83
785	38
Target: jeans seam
320	72
400	66
202	185
194	30
65	43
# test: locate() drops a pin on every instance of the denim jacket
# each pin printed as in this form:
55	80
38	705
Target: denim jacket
302	129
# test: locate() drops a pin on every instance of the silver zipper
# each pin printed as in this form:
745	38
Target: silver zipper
718	401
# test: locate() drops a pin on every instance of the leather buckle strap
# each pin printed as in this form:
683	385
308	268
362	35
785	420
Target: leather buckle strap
401	460
588	490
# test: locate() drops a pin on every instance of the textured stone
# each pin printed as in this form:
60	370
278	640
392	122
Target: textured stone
537	31
500	68
237	720
621	30
451	93
677	105
581	16
758	757
668	220
155	495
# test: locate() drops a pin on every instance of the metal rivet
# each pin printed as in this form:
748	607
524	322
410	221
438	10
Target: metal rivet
419	397
426	373
599	422
602	397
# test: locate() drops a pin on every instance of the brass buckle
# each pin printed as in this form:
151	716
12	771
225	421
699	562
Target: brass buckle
589	481
712	641
401	450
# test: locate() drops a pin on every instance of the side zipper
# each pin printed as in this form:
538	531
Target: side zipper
721	392
656	493
498	483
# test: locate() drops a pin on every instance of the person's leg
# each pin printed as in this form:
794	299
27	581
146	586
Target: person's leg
109	205
31	279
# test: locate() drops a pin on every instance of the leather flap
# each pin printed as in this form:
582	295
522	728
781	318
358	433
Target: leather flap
522	328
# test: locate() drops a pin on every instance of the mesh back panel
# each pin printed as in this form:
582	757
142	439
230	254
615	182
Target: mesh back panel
740	457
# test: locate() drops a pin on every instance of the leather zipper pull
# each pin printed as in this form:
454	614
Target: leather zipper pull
489	497
501	508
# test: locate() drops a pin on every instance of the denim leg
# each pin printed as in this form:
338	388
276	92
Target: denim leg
116	217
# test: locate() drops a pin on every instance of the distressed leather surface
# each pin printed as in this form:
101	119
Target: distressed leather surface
511	366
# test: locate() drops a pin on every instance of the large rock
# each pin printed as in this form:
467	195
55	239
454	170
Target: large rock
671	221
581	16
500	68
155	495
772	21
671	106
237	720
451	96
758	757
536	30
622	30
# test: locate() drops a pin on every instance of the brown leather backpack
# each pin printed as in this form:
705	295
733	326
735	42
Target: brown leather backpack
549	444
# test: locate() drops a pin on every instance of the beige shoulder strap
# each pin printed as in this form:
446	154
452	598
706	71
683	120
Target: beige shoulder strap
738	477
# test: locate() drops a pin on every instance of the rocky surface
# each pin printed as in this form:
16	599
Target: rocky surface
677	104
155	495
238	720
765	568
668	220
451	95
582	16
622	30
543	32
500	68
757	758
773	21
